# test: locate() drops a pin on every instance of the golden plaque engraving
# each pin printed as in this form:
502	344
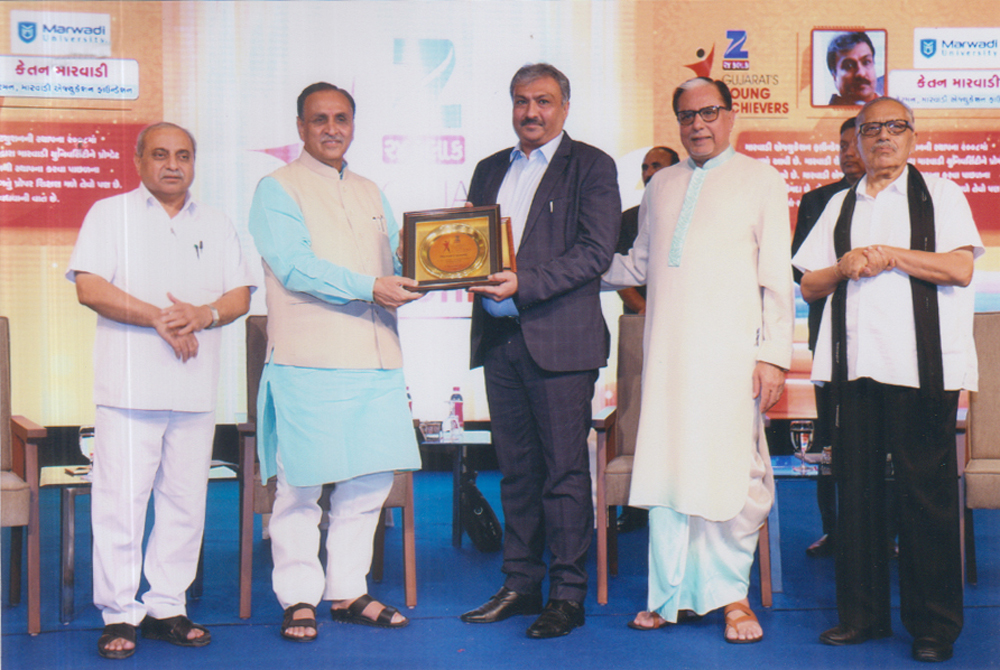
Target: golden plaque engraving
453	251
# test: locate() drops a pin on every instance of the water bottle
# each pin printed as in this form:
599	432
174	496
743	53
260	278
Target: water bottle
455	421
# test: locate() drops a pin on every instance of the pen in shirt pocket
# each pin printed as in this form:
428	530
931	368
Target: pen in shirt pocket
380	222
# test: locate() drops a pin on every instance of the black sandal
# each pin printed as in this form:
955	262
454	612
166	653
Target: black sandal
290	622
354	613
112	632
174	630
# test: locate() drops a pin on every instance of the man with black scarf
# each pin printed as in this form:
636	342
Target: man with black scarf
895	253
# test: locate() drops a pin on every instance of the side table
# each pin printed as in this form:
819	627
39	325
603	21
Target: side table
459	450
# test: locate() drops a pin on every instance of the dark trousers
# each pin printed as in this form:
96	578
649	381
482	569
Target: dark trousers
920	432
826	488
540	422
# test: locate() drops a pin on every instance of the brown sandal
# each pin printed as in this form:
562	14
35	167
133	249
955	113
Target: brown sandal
746	615
658	622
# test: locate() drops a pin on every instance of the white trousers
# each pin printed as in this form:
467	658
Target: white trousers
137	452
355	505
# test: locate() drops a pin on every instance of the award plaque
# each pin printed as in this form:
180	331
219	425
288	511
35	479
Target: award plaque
507	243
452	248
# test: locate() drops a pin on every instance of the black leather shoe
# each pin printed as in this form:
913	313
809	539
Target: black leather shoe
844	635
558	619
824	546
632	518
930	650
503	605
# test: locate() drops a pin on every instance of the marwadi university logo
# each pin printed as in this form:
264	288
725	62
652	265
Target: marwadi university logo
928	47
27	31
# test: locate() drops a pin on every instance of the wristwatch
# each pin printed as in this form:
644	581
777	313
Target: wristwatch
215	318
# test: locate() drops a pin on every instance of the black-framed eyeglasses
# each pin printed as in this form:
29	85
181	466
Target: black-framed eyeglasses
707	114
895	127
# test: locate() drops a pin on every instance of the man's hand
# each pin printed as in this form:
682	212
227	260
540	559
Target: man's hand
852	265
633	300
185	346
768	384
391	291
879	260
184	318
506	287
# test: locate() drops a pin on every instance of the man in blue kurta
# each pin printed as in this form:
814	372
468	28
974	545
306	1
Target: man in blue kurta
332	406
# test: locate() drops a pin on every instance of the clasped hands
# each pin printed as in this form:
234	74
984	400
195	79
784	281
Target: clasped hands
178	323
865	262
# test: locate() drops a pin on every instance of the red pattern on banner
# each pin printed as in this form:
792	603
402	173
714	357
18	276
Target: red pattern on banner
808	160
51	173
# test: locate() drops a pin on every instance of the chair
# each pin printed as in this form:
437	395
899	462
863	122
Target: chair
258	498
982	434
616	433
19	440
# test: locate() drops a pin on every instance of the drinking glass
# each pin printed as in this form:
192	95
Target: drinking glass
802	437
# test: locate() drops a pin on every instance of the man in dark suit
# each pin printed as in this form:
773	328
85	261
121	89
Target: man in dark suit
541	337
812	205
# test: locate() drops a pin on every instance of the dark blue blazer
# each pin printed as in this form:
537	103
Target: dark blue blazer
568	242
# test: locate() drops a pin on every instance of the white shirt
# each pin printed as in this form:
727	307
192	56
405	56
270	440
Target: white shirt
130	241
881	337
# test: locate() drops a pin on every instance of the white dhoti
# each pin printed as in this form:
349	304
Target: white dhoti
701	565
355	506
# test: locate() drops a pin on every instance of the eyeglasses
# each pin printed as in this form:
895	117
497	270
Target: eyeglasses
707	114
874	129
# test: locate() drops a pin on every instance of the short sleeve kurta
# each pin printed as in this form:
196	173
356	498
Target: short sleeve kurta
716	304
130	241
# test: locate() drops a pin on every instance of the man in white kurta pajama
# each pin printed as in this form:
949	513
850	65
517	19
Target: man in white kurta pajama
713	249
163	272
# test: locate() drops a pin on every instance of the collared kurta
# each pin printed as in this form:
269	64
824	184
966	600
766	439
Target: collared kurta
131	242
881	336
719	299
331	424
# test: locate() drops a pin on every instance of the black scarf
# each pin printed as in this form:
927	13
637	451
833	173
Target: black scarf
925	295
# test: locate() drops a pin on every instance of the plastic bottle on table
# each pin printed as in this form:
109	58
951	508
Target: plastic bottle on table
455	423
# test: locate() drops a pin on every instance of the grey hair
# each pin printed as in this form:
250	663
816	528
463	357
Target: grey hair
533	71
140	142
861	115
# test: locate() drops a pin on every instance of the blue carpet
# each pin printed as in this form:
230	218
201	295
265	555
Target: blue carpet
452	580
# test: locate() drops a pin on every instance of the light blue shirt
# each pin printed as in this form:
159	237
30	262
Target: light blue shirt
515	196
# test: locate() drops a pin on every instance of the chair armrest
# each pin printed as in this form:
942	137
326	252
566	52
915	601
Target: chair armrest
248	428
604	424
27	429
605	419
26	434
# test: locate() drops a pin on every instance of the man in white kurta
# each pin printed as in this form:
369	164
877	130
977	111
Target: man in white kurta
162	271
713	250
